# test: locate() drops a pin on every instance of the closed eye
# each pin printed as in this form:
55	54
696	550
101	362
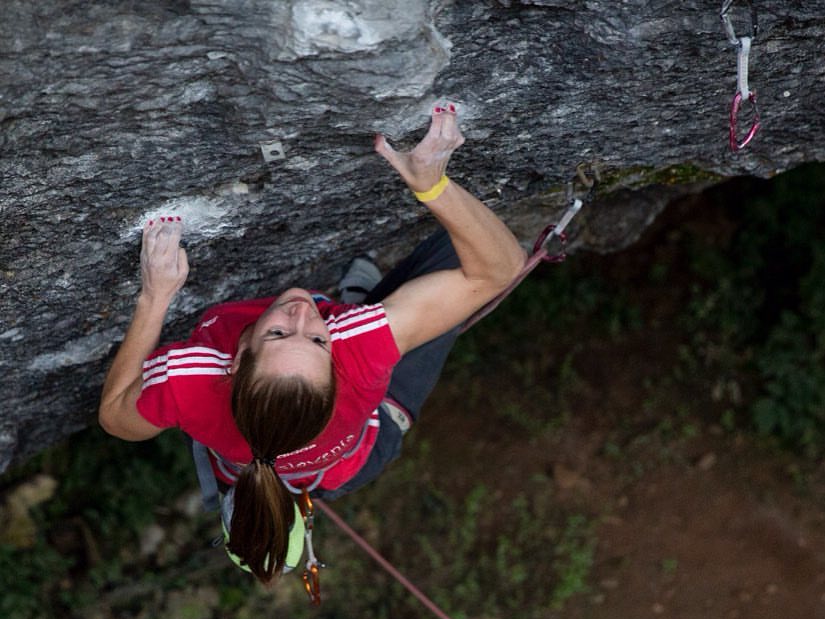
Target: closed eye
317	339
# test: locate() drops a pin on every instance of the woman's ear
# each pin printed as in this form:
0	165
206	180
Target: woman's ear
243	344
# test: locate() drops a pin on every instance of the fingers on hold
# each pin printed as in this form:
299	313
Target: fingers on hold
444	119
161	223
163	234
445	106
171	219
150	233
451	130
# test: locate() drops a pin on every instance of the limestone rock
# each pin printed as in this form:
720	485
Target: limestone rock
254	119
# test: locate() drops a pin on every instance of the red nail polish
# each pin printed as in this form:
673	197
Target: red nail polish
452	108
151	222
438	110
178	218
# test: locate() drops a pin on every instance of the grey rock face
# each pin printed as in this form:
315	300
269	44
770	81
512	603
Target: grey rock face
253	120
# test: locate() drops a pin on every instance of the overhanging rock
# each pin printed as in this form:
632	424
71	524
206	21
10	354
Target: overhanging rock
254	119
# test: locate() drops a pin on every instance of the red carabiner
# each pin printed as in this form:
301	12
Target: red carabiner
539	244
735	144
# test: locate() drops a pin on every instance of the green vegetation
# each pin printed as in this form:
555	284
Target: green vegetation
644	176
758	304
108	492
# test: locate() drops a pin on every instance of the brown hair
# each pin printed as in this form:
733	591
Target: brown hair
276	415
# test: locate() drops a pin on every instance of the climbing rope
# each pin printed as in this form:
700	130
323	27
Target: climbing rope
381	560
540	252
743	92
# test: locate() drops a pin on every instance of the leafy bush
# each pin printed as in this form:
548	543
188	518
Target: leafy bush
109	490
760	302
28	580
130	480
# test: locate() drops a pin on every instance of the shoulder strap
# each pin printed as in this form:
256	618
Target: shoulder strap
206	477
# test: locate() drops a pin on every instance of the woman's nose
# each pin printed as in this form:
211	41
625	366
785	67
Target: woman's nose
299	312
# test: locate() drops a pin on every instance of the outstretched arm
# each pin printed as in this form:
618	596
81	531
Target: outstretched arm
163	269
490	255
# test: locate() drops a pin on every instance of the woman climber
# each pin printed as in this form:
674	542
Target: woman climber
300	391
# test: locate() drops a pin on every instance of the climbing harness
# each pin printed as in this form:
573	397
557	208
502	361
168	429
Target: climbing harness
743	93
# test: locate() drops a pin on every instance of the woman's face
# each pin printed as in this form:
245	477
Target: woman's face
291	338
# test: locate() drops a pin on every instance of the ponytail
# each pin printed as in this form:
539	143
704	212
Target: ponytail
261	519
276	415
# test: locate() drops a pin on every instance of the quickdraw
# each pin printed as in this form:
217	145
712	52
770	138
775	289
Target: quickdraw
540	253
743	93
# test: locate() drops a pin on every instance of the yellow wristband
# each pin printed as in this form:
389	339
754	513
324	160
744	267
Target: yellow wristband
434	192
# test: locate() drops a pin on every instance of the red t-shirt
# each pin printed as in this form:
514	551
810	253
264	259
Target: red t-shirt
186	384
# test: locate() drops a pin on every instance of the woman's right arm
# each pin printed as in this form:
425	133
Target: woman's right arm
164	268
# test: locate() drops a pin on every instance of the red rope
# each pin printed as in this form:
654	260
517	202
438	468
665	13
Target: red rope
538	256
381	560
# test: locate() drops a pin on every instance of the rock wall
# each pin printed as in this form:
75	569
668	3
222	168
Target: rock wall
253	120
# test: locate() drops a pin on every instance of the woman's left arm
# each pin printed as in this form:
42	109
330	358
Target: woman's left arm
490	256
164	268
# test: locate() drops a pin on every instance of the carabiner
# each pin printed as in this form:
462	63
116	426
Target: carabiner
557	230
312	584
735	144
543	238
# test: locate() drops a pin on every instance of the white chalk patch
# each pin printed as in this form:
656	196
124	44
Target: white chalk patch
321	26
329	26
202	217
